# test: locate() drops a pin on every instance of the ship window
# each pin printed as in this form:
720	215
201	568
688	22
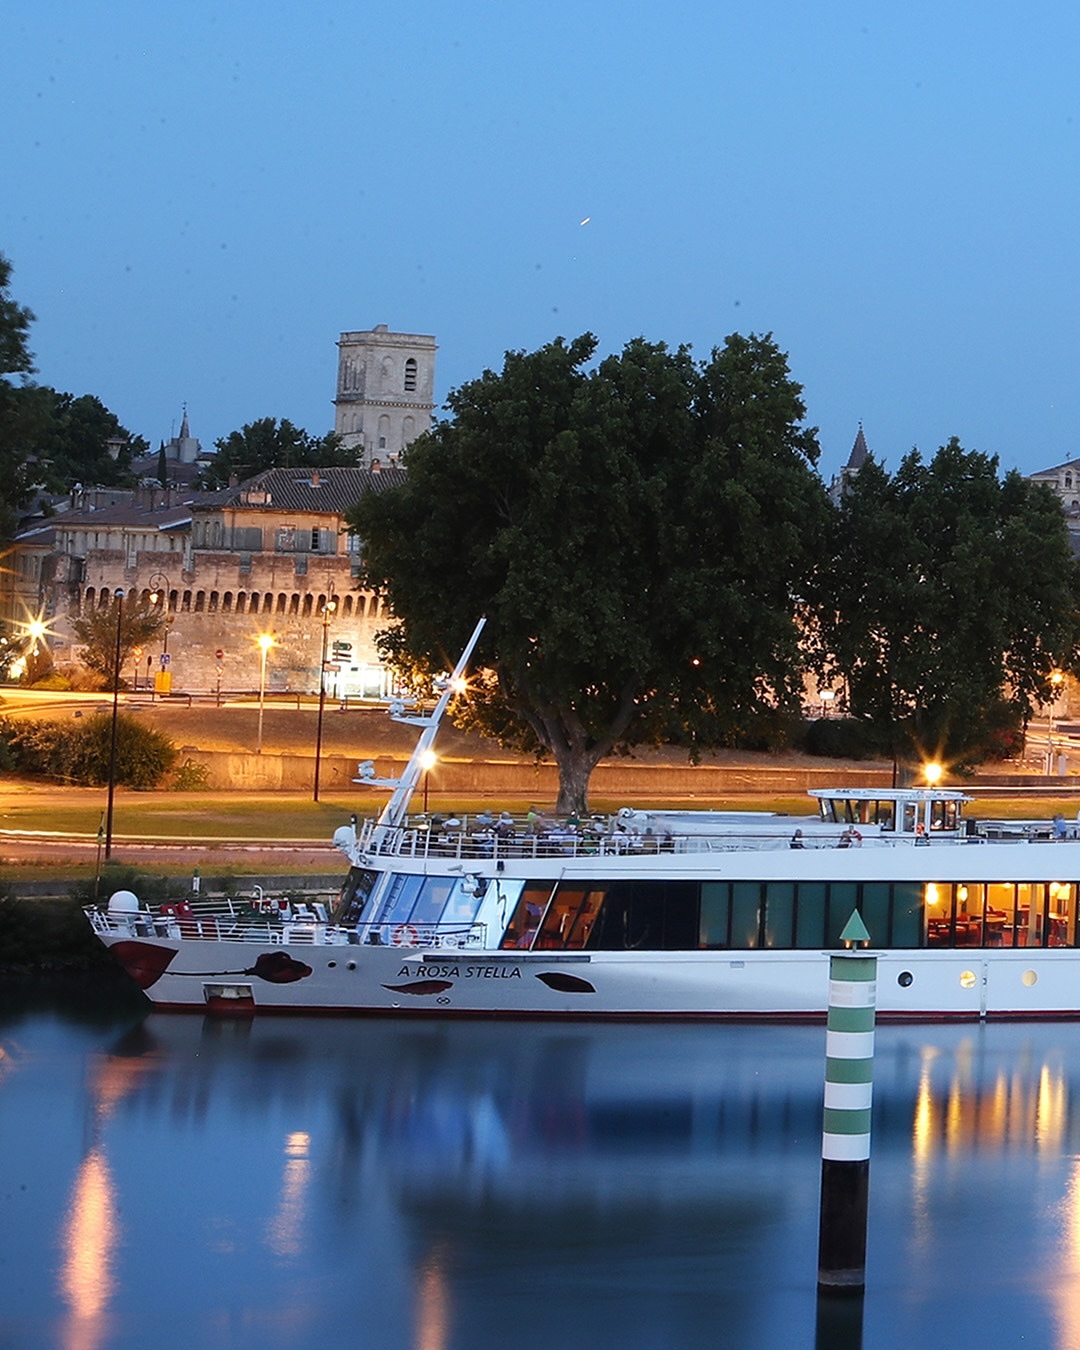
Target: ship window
354	896
810	915
843	898
745	913
779	913
398	902
529	910
874	909
715	914
560	917
906	915
432	900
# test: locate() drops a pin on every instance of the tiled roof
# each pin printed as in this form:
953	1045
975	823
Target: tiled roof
317	491
124	514
1045	473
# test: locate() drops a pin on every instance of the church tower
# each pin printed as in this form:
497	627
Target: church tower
385	391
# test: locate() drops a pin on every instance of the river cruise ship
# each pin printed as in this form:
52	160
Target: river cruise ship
642	914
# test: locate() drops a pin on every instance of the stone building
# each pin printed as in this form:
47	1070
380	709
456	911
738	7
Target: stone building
263	556
385	391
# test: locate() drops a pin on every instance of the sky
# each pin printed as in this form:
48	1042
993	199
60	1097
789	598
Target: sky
197	200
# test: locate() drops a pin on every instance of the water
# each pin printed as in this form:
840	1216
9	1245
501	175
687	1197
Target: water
174	1181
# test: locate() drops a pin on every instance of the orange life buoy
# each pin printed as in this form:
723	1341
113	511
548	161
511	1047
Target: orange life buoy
405	935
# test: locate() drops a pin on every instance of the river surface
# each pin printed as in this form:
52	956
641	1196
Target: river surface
174	1181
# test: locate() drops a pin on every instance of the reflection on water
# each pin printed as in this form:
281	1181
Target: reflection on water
294	1182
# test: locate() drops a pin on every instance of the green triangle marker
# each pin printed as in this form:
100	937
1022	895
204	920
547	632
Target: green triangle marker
855	930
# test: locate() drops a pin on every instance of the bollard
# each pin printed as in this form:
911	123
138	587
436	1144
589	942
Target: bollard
845	1142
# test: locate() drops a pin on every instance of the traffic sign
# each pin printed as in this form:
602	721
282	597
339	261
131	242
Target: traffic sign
219	654
165	659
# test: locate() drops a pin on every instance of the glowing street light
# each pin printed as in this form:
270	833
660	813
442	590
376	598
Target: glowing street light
328	611
1057	679
265	641
428	760
118	597
932	773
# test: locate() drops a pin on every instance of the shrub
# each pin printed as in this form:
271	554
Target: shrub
841	738
191	776
80	753
52	681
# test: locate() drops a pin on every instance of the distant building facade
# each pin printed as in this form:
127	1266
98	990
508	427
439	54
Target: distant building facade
385	392
263	556
1064	479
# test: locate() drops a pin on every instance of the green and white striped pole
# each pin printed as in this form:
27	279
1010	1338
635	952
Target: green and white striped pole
845	1141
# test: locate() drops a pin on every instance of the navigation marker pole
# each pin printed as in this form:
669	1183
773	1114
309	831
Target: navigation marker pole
845	1142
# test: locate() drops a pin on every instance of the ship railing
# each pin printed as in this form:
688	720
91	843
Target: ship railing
419	841
218	925
448	937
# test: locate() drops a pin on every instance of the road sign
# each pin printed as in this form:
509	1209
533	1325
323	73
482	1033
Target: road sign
219	654
330	667
165	659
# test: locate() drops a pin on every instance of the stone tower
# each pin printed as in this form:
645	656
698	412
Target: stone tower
384	391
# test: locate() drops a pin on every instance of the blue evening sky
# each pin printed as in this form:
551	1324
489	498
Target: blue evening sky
197	199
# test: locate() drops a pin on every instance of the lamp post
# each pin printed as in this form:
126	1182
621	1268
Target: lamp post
428	760
265	643
118	597
327	613
160	591
1057	679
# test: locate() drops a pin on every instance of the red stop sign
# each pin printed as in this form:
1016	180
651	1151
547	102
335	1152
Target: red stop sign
219	653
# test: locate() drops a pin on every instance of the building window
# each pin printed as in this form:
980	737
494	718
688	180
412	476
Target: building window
410	375
300	564
315	539
307	606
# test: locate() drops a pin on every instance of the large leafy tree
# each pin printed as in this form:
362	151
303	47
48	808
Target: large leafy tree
139	623
636	534
270	444
948	597
18	413
72	442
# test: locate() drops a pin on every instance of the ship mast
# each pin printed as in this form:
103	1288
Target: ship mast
396	809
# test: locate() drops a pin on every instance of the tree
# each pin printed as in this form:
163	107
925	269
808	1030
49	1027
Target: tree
269	444
948	598
635	535
17	411
72	443
140	623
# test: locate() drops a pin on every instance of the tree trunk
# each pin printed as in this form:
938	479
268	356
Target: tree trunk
575	770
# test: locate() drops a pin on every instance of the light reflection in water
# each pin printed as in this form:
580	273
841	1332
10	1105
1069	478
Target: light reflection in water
448	1175
90	1237
286	1227
433	1303
91	1230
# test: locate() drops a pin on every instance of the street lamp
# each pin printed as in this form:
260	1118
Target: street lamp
118	597
1057	679
428	760
327	613
160	592
265	643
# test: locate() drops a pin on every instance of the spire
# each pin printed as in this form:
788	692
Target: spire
185	432
859	451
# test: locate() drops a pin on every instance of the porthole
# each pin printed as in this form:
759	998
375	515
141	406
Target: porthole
968	979
904	979
1029	979
330	965
351	965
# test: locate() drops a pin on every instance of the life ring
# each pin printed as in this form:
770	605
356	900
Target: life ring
405	935
856	838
